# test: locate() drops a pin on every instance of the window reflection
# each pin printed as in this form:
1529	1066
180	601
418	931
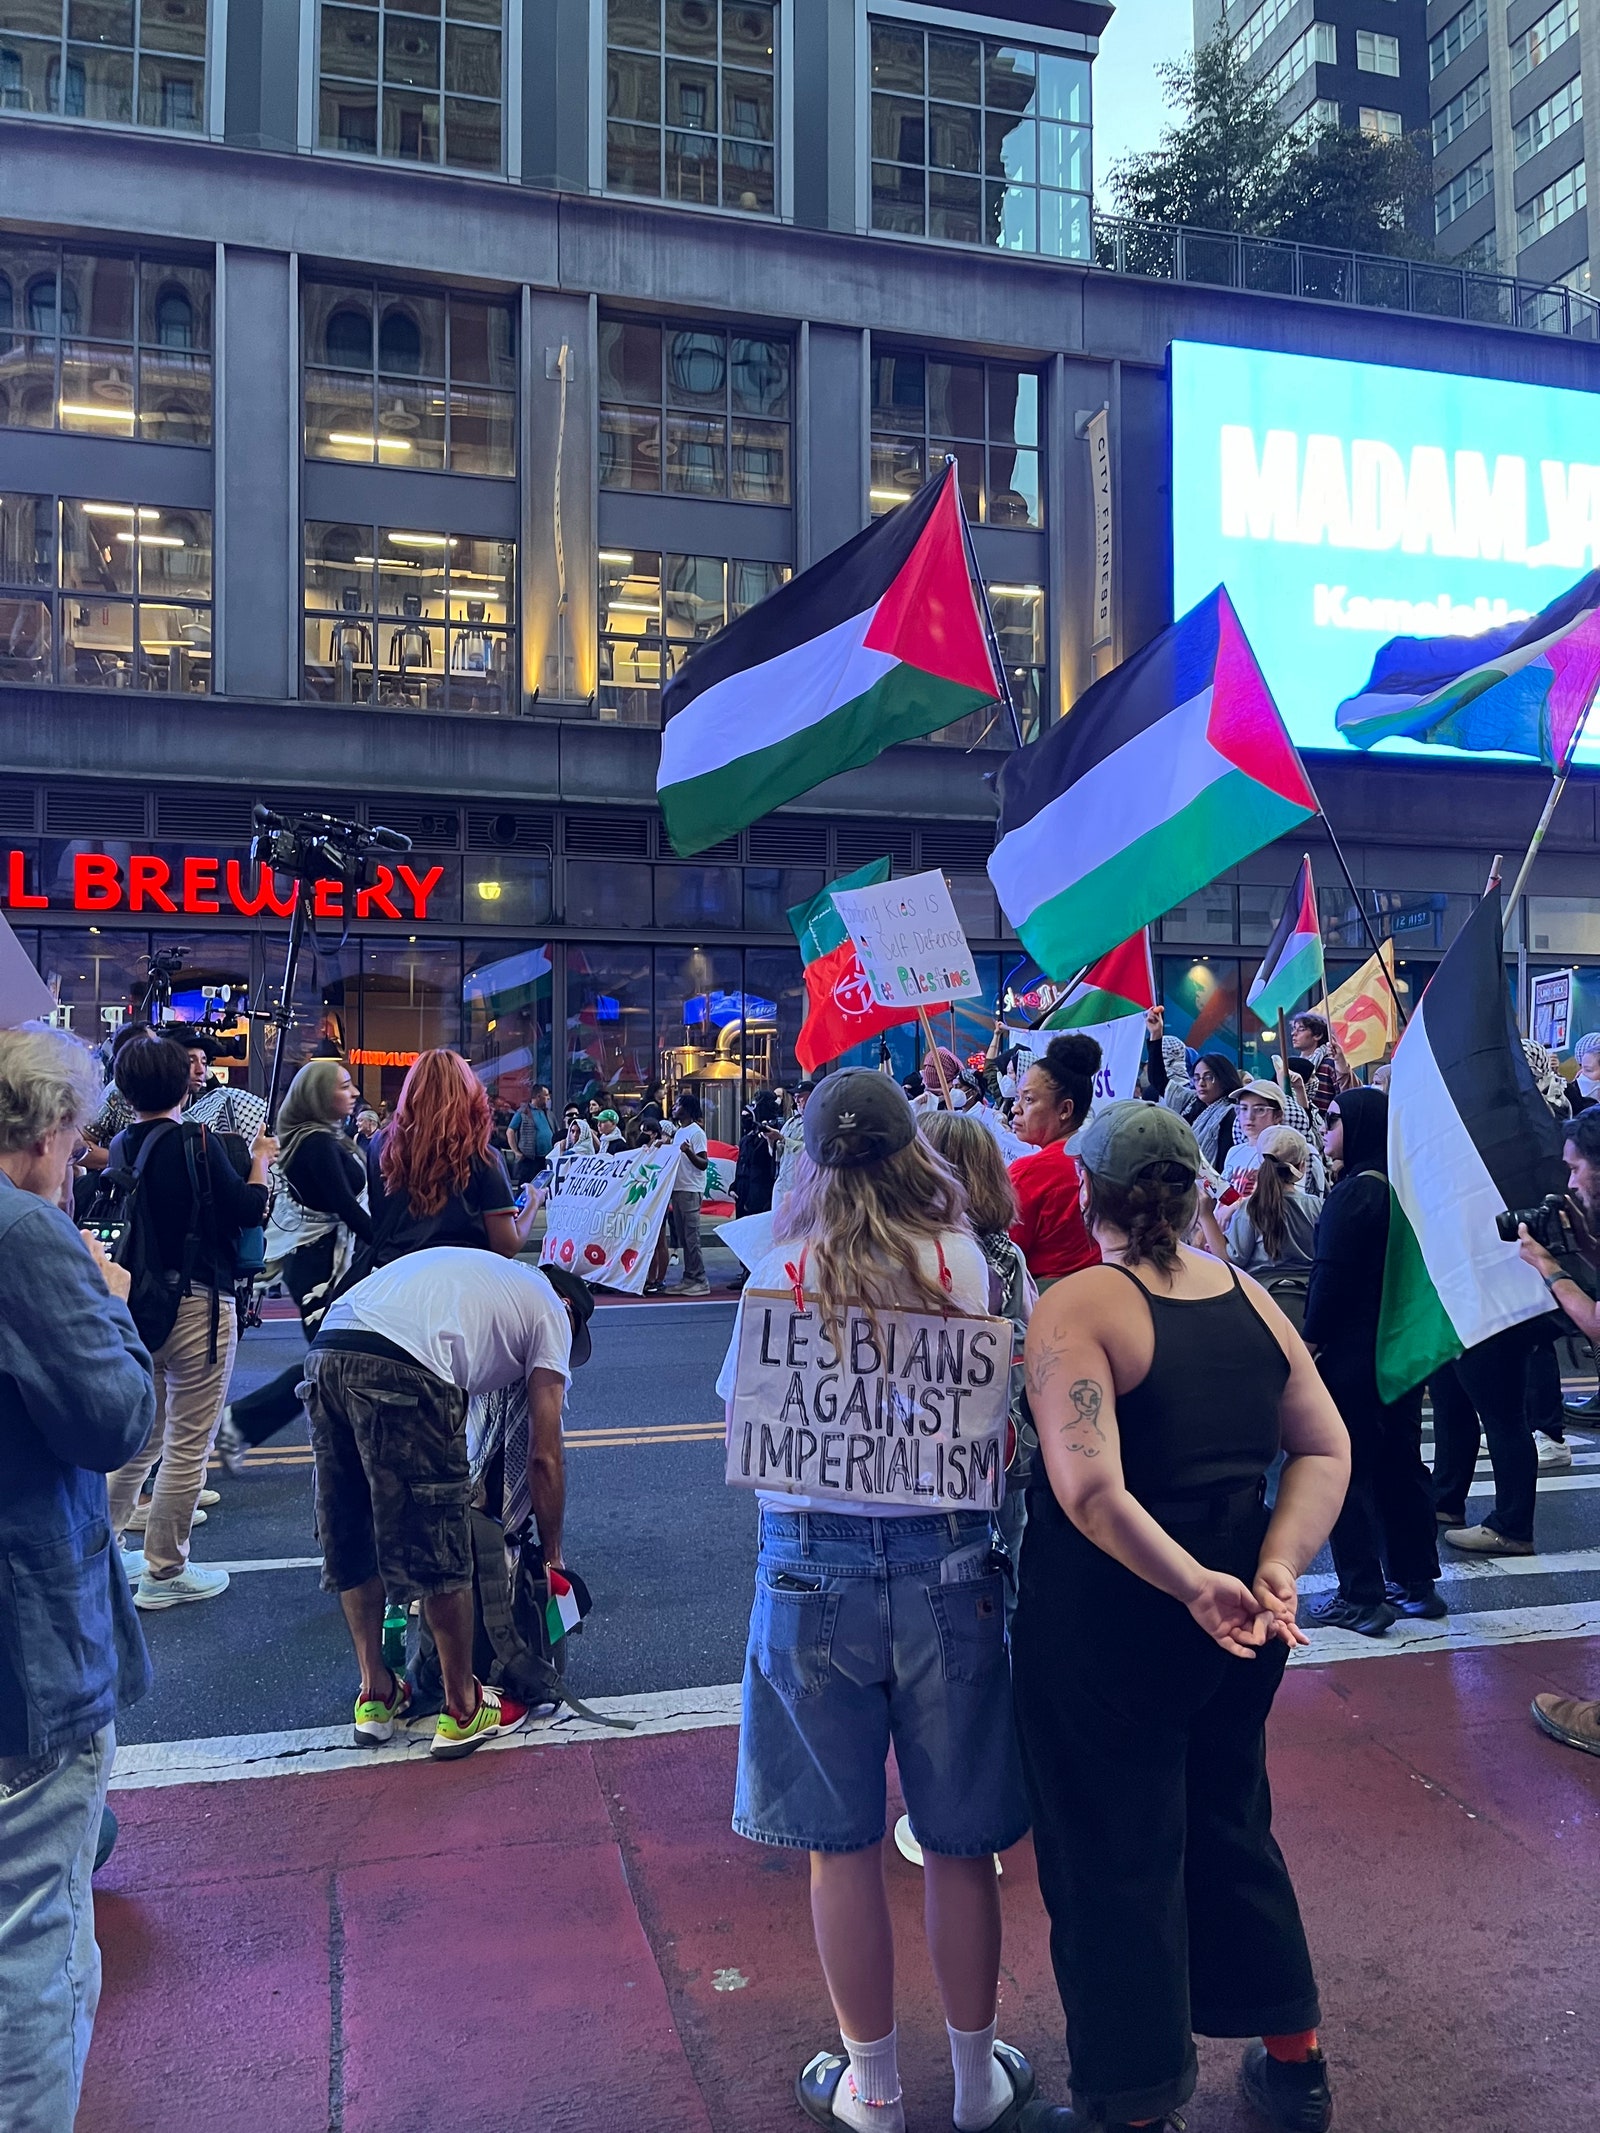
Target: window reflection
507	1002
654	610
423	85
409	379
106	60
690	101
694	411
983	415
105	595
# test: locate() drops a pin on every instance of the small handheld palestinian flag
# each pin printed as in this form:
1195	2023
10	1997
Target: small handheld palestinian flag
882	641
1172	768
1469	1136
561	1610
1292	964
1121	983
840	1009
1524	689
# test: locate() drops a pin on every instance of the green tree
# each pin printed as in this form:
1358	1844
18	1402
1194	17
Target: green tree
1227	162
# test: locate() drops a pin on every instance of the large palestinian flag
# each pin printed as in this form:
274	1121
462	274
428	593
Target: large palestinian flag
1524	689
840	1010
1121	983
1469	1135
1170	769
1292	964
879	642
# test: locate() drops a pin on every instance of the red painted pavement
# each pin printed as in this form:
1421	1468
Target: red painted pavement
572	1938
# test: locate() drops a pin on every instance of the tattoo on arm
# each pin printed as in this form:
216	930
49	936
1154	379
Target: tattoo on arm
1081	1431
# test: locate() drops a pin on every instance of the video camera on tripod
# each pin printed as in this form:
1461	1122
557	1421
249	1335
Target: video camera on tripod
312	848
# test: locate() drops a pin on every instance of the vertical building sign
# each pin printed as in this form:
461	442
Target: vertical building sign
1097	434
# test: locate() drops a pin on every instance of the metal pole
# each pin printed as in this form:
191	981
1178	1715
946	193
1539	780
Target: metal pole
988	612
282	1014
1557	787
1361	909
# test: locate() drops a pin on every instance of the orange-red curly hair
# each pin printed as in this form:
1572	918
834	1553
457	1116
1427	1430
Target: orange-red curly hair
440	1129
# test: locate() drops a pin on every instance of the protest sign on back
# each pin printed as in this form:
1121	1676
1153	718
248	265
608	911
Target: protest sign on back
901	1407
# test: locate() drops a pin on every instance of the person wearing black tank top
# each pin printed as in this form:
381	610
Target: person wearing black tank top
1156	1612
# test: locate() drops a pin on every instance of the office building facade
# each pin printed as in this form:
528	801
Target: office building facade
1355	63
390	401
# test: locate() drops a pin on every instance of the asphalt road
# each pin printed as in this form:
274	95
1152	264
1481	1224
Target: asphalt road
668	1551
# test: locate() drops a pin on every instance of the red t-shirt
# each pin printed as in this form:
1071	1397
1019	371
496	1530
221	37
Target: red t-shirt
1049	1227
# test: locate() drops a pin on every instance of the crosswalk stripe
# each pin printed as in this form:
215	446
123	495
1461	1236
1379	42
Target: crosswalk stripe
1462	1632
1462	1569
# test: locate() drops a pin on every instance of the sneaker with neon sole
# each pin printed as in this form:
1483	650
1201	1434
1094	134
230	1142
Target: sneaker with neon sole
377	1718
496	1713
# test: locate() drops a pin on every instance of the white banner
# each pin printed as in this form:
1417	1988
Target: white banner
909	1408
912	949
1121	1043
605	1212
1097	433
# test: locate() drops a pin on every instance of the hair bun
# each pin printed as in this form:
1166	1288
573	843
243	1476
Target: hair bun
1075	1052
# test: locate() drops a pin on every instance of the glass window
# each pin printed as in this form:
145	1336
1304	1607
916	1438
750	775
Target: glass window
421	86
107	344
1537	42
506	1007
418	620
1464	190
1381	125
1546	211
1211	914
1377	52
117	62
985	416
610	1034
700	1031
1550	120
1463	110
654	610
506	888
978	142
1202	1000
690	101
407	1000
604	892
105	595
409	378
694	411
1463	29
770	893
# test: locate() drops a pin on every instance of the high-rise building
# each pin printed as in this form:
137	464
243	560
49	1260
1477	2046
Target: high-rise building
1508	81
1357	63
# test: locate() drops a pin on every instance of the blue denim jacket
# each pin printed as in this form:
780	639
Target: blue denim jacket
76	1402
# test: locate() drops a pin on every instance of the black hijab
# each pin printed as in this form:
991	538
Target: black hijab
1365	1113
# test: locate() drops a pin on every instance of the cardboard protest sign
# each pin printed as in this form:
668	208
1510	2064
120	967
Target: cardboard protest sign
605	1212
907	1408
912	949
1122	1048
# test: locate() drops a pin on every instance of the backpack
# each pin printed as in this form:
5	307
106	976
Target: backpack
123	1224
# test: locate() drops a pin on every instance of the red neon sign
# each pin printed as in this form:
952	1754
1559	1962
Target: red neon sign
204	883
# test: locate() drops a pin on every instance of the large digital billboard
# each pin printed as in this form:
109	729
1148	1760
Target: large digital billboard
1346	503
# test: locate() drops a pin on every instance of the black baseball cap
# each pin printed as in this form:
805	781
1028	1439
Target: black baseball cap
857	1117
574	1291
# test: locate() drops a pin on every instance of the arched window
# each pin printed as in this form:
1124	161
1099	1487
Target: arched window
400	344
7	305
349	339
174	319
42	303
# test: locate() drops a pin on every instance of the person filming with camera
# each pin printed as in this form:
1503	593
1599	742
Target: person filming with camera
1573	1225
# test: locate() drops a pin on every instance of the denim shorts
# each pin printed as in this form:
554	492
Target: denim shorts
867	1631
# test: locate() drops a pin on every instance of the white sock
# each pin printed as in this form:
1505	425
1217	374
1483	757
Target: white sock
983	2088
868	2095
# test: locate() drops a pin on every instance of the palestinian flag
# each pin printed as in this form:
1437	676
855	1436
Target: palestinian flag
1469	1135
1170	769
879	642
1292	964
840	1011
1121	983
561	1612
1524	689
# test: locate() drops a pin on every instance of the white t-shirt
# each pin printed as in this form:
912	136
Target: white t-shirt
1242	1161
469	1316
969	1291
690	1177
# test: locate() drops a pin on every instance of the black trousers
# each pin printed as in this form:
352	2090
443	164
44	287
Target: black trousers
1545	1410
273	1406
1387	1523
1487	1385
1143	1745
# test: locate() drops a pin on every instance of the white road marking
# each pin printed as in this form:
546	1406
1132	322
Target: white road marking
1458	1568
1459	1633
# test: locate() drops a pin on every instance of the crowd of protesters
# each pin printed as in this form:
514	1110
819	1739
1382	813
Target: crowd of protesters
1193	1281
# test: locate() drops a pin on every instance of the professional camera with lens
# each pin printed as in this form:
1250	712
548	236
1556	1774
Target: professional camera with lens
1554	1223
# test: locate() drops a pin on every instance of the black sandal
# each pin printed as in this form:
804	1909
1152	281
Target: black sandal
1023	2085
817	2083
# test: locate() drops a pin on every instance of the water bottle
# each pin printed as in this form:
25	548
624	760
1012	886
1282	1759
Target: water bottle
394	1637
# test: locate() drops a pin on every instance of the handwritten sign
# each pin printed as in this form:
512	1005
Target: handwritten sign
912	949
905	1407
1121	1054
605	1212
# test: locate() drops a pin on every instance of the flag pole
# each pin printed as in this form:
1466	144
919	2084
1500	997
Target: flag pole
1355	897
933	1048
988	612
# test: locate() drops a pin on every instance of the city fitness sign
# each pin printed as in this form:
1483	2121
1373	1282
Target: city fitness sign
200	883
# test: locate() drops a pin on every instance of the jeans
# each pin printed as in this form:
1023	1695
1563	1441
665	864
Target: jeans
189	1397
1387	1521
1487	1384
867	1632
49	1963
686	1206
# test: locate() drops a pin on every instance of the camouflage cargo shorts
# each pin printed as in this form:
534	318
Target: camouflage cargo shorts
389	1441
